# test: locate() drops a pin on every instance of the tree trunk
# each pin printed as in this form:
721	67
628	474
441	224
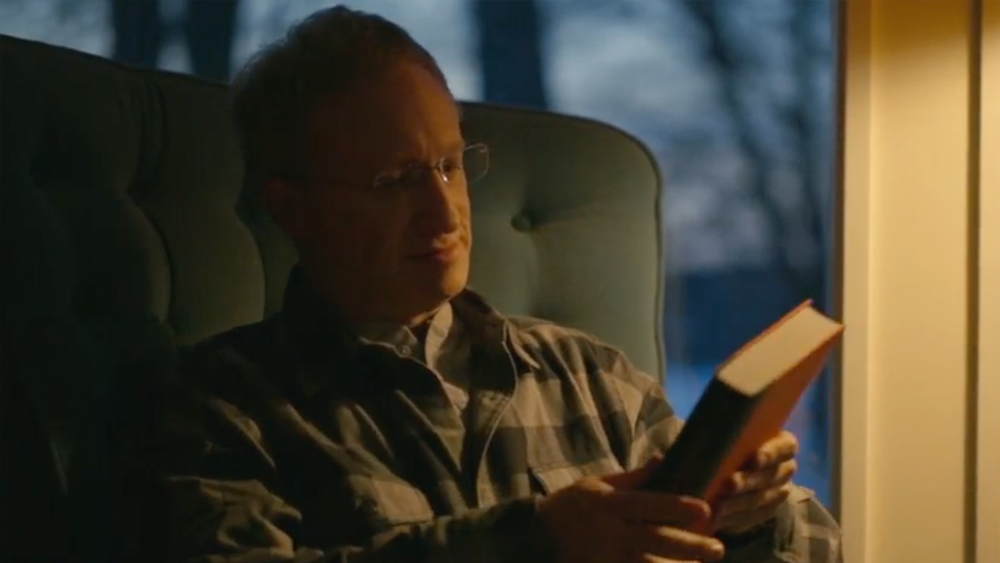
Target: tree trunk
138	31
510	52
209	31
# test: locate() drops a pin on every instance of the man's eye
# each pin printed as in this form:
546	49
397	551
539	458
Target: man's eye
413	175
451	165
389	179
398	173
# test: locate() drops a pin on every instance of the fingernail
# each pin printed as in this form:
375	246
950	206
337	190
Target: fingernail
705	511
733	485
718	550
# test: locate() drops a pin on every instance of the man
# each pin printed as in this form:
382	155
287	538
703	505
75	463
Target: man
388	414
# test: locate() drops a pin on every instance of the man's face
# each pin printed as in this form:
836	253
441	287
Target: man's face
384	250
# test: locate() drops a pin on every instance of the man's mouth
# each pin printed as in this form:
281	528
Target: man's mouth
444	253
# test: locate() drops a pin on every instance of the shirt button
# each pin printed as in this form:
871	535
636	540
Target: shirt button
406	350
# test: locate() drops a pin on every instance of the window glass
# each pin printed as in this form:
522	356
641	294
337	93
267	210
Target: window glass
734	98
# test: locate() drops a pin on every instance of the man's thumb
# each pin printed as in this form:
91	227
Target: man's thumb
634	479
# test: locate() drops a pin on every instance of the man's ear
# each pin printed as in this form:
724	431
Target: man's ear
286	203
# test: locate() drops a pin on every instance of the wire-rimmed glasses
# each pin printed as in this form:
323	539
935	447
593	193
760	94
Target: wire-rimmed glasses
469	166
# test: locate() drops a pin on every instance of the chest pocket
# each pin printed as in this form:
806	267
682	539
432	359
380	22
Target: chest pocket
551	478
385	503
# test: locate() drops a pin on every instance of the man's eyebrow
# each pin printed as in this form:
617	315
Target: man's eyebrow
406	158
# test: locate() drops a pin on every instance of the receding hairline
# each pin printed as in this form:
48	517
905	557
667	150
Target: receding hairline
339	119
277	90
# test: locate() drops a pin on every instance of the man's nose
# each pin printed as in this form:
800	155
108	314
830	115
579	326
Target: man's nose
439	203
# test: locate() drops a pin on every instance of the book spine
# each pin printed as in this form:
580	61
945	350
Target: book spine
690	465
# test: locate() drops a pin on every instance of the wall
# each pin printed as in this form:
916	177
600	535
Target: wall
988	388
918	471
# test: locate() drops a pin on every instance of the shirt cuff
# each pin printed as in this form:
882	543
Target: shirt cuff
513	532
756	544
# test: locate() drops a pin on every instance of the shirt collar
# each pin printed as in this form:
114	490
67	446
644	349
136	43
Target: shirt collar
327	350
404	341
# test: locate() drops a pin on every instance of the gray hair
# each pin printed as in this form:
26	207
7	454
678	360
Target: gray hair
325	54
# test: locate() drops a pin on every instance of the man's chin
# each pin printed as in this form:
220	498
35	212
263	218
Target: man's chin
447	286
435	279
453	282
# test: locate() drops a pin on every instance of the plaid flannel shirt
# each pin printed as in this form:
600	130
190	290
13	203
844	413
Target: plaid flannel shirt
291	440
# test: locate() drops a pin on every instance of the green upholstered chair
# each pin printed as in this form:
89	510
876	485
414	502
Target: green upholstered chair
125	233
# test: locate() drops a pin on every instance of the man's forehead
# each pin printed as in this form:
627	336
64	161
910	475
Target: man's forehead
393	96
371	146
395	123
394	131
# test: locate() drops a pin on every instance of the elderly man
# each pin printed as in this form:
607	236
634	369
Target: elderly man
388	413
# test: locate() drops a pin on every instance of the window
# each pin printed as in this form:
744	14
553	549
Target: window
735	99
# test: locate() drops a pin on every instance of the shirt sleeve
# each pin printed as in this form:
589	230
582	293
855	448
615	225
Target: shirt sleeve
213	489
804	531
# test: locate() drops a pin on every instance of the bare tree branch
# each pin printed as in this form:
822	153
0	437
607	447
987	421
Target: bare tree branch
725	58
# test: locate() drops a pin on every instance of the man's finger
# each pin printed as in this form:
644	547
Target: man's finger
739	523
750	502
773	476
631	480
782	447
673	543
659	508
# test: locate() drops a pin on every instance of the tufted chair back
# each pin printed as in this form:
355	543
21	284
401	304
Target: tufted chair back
125	231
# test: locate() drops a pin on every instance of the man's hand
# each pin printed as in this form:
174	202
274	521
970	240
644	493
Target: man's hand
606	521
752	495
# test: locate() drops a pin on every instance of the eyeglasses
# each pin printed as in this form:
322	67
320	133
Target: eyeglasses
469	166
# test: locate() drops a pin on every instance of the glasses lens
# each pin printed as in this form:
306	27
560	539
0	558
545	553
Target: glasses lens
476	162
